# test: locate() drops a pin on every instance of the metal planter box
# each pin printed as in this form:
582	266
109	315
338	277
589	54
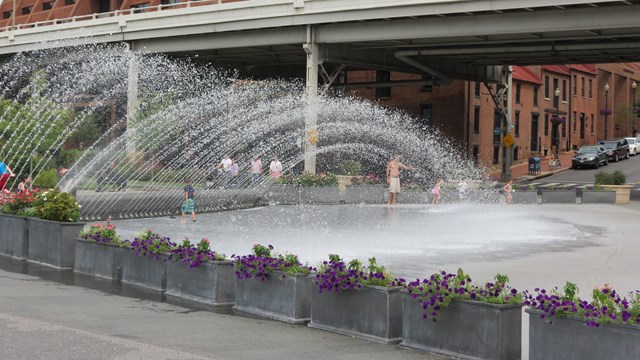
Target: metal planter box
571	339
465	329
363	194
285	299
319	195
144	271
211	284
283	194
525	197
413	197
372	313
101	260
14	236
52	242
559	196
598	197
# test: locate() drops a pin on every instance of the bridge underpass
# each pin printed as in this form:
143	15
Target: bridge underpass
438	39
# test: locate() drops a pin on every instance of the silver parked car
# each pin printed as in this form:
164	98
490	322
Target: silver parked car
634	145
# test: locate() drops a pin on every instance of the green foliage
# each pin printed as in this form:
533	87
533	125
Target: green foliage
68	157
261	250
85	134
46	179
350	168
375	268
103	233
309	179
292	265
21	205
57	206
615	178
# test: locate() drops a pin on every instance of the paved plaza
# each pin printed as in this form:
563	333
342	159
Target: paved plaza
49	314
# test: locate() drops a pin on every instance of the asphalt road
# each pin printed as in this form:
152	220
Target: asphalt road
630	167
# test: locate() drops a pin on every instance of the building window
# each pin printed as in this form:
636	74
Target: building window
477	89
575	85
27	10
582	87
582	126
574	122
48	5
426	87
592	121
138	8
476	120
535	95
69	2
515	152
556	99
590	89
496	154
518	89
6	15
564	129
497	126
517	125
383	76
426	116
546	87
564	90
546	124
167	2
475	154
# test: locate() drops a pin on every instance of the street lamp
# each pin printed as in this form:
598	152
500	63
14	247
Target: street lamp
606	107
635	111
557	94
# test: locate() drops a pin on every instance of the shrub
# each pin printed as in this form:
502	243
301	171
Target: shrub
309	179
102	234
615	178
149	243
46	179
68	157
56	206
260	264
195	255
350	168
335	275
21	204
438	291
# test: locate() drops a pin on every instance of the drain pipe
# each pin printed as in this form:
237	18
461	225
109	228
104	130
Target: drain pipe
404	57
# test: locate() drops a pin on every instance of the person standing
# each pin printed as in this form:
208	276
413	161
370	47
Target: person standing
233	170
436	191
508	192
225	165
393	178
189	204
275	168
256	170
5	174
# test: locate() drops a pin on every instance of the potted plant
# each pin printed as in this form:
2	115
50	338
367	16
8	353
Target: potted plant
99	252
52	234
563	326
273	286
598	194
14	214
524	194
615	181
447	314
559	194
366	190
197	274
146	264
358	301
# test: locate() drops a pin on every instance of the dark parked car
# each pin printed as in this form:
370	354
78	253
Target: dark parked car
616	149
592	155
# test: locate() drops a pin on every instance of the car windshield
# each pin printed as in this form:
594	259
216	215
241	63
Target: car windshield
588	150
610	145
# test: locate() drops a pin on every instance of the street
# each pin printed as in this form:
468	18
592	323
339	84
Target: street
630	167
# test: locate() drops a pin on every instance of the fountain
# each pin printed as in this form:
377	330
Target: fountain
189	115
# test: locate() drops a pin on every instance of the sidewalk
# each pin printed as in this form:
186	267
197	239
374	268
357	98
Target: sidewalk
48	320
521	171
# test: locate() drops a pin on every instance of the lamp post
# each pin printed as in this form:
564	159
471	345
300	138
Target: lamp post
635	111
606	114
557	94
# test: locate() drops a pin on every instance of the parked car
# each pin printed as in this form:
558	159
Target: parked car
592	156
634	145
616	149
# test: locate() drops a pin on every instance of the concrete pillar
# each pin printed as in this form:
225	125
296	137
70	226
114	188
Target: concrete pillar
507	160
133	103
311	119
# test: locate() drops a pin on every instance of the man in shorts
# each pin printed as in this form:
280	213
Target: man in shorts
189	204
393	178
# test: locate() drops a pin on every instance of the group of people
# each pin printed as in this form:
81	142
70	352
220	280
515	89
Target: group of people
230	169
24	186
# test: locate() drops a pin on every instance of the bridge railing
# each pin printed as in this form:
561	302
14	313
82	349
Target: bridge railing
94	16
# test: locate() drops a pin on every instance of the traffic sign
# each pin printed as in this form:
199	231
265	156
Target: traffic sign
507	140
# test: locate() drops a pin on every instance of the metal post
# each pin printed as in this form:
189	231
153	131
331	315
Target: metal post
13	20
557	94
311	120
634	110
606	114
507	159
133	102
